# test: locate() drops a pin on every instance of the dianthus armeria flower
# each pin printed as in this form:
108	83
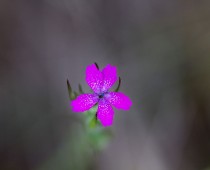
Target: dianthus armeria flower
101	82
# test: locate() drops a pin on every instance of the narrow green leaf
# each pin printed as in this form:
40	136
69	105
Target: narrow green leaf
69	89
80	89
75	94
72	95
96	65
118	87
93	122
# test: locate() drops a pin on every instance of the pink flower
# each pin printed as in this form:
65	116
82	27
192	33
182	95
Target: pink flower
100	82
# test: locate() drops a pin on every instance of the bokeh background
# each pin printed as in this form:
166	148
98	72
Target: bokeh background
162	51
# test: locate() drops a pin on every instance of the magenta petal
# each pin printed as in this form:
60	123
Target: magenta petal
105	113
119	100
94	78
84	102
110	76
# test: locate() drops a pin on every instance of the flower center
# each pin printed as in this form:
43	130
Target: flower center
101	95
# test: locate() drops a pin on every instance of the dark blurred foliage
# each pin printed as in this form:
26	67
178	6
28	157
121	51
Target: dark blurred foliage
161	49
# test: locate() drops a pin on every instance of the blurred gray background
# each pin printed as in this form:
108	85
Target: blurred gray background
161	49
